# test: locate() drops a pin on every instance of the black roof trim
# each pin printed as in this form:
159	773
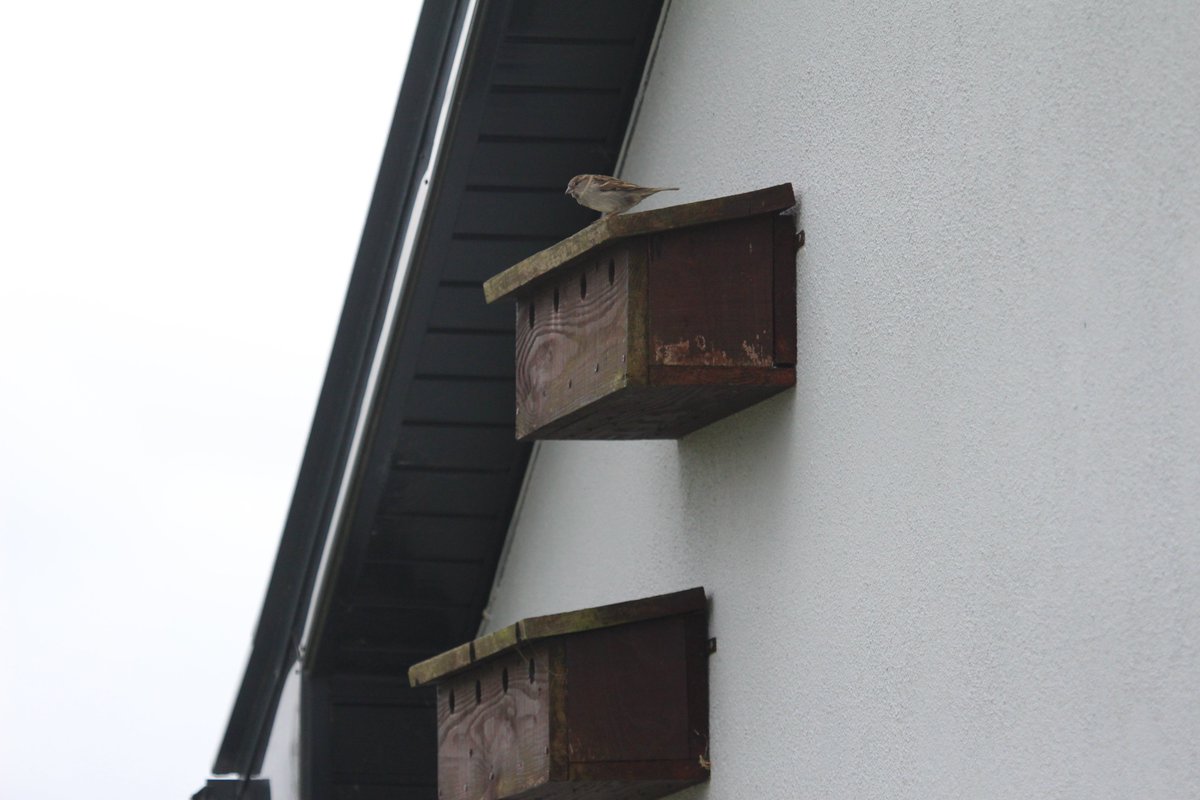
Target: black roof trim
226	789
282	619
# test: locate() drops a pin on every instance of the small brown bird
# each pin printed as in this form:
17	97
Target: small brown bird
609	195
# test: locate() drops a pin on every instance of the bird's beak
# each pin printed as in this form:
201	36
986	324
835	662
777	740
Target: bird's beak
568	191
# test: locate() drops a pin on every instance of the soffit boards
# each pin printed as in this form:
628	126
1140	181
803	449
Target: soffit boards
547	92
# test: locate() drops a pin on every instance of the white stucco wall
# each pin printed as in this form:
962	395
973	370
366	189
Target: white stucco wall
281	763
962	558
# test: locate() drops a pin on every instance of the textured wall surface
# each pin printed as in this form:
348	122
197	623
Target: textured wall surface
962	558
281	763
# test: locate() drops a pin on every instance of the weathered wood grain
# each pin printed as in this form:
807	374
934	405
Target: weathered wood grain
495	740
571	339
603	231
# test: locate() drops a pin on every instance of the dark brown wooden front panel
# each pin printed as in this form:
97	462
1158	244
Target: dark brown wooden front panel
712	295
627	693
572	349
496	741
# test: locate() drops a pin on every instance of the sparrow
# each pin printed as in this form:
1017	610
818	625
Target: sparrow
609	195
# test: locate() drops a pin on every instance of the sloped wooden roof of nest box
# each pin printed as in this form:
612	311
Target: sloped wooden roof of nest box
608	702
652	325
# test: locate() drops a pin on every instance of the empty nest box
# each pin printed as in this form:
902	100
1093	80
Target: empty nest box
651	325
608	702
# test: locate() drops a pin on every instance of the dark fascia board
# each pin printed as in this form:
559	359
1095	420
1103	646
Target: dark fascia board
229	789
399	362
282	619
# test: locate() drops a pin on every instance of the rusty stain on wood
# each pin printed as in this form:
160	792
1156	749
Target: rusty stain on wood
712	288
680	353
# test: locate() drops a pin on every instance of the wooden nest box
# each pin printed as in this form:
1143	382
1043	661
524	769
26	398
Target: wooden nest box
608	702
651	325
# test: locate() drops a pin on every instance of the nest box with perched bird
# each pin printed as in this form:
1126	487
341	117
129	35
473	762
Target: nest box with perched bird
650	325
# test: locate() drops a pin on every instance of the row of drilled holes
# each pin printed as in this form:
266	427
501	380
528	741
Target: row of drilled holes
503	684
612	275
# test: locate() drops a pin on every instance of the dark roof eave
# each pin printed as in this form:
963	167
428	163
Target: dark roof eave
281	621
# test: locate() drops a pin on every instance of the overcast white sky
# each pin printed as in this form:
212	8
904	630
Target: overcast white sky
182	189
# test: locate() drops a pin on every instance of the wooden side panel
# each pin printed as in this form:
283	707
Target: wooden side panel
572	332
785	290
560	756
495	741
712	295
627	698
696	633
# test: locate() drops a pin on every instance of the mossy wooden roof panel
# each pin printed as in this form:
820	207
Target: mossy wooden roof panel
533	629
624	226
